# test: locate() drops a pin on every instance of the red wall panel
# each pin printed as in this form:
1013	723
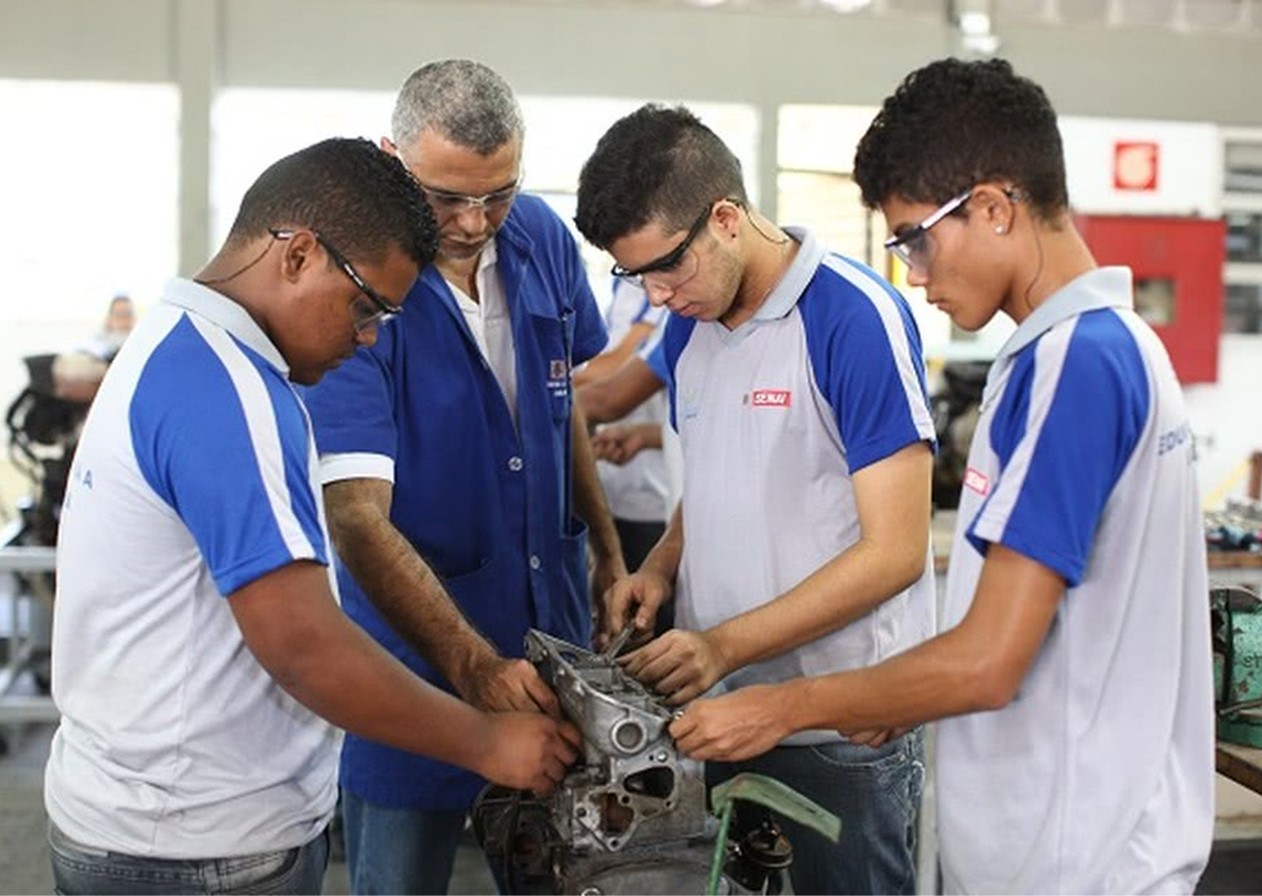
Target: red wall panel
1178	266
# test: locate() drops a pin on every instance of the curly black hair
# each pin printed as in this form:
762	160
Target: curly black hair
657	163
953	124
360	198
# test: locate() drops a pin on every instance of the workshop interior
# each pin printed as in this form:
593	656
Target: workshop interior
133	127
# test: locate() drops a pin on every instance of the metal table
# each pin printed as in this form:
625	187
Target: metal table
22	708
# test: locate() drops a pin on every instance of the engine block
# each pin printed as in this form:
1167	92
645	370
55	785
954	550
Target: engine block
630	816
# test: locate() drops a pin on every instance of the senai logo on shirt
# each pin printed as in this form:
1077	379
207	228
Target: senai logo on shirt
771	398
977	481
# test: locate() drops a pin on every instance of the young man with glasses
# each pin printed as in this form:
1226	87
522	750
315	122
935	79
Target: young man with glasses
455	465
1075	753
801	543
198	647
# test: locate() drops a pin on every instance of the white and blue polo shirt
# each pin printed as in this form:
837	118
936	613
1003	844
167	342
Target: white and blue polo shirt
775	417
637	490
196	474
1098	776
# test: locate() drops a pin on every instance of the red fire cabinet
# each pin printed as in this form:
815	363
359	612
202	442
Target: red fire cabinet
1178	266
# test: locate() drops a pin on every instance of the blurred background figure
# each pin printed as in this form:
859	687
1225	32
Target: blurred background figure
636	483
120	318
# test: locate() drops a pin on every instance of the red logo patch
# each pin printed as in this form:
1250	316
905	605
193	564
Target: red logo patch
771	398
977	481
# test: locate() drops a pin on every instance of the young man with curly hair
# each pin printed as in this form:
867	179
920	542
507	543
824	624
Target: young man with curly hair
1073	676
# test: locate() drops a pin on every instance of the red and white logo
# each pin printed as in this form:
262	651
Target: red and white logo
1135	165
977	481
771	398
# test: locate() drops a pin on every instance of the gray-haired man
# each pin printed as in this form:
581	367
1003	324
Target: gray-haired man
452	453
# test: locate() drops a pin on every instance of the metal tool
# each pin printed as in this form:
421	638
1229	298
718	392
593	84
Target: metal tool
619	642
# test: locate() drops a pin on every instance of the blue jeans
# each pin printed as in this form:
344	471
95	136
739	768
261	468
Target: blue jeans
398	850
82	869
875	792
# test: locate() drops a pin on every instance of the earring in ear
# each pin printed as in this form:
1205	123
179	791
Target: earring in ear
999	229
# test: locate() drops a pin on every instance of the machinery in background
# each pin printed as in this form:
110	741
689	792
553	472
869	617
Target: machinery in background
956	407
1236	630
631	815
1236	527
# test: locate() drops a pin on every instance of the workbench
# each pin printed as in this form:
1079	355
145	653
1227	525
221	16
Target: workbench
1241	764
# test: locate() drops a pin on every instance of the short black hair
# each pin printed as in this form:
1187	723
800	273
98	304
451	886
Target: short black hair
360	198
656	163
953	124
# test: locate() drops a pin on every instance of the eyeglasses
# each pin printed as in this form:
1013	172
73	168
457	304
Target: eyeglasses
914	246
444	203
364	314
673	269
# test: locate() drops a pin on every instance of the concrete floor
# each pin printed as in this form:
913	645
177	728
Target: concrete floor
1235	865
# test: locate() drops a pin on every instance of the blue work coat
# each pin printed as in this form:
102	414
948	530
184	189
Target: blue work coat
487	504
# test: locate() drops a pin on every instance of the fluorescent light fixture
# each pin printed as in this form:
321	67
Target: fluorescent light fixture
846	5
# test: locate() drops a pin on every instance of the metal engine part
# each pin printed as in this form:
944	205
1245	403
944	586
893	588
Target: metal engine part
630	817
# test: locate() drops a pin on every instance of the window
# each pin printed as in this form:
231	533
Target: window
815	154
86	215
1242	210
254	127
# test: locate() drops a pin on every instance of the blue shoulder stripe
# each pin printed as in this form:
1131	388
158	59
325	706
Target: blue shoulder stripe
678	332
866	356
201	451
1076	459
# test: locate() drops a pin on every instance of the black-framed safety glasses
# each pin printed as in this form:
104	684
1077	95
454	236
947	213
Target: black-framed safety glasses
363	316
670	262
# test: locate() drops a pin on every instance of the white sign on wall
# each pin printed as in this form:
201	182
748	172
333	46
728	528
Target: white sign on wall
1134	167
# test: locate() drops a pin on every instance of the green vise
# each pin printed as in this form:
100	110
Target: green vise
1236	625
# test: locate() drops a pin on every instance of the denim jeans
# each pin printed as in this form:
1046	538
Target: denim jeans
875	792
82	869
398	850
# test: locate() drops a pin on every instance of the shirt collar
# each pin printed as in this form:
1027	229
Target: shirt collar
1108	287
488	257
224	312
797	276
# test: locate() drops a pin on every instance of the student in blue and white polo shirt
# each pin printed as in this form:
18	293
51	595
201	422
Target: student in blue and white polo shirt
1076	751
801	544
198	646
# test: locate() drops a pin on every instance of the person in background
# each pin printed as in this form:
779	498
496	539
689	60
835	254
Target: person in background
200	660
802	540
120	319
636	487
1073	680
455	464
621	443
